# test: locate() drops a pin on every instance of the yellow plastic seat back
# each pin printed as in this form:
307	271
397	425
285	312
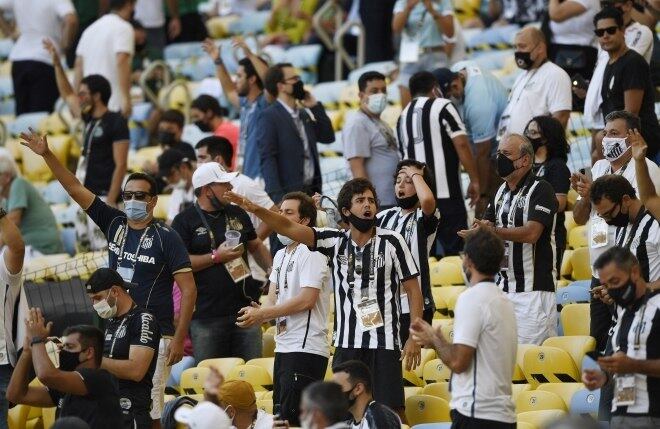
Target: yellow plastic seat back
257	376
444	273
192	380
439	389
576	319
535	400
580	264
564	390
575	345
266	363
540	419
223	365
426	409
578	237
435	370
544	364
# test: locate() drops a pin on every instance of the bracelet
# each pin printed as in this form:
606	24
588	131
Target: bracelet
37	340
218	61
214	256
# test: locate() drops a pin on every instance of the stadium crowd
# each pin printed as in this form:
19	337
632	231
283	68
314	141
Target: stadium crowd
330	214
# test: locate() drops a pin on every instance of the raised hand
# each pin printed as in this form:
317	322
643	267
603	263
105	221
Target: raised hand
638	144
36	325
37	143
238	42
52	50
240	201
211	49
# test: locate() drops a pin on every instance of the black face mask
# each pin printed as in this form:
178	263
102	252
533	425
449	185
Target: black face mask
407	202
624	295
203	126
351	401
298	91
505	165
621	220
524	60
166	138
537	142
69	360
216	203
362	225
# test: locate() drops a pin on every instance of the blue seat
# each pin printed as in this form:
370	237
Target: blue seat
183	51
253	22
582	283
572	294
54	193
432	426
585	402
69	238
25	121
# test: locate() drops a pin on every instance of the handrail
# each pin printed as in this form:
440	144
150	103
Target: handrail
148	71
318	16
341	55
166	91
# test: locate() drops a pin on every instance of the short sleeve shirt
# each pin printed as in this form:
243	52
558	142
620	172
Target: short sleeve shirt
160	255
421	24
9	296
99	138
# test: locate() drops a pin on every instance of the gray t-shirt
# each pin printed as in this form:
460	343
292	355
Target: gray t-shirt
373	140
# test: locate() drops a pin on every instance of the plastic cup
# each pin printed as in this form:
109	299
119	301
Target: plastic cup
232	238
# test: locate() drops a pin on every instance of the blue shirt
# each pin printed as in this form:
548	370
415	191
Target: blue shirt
160	256
249	117
421	24
485	100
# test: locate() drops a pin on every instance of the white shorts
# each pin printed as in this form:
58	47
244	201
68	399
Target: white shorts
161	374
536	316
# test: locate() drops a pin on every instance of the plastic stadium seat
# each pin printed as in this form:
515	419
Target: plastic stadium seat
54	193
192	380
224	365
564	390
522	425
427	356
446	327
577	346
432	426
141	156
48	415
566	269
34	167
391	115
410	377
578	237
448	295
268	345
569	222
266	363
160	211
426	409
571	199
535	400
575	318
439	389
580	263
585	284
257	376
540	419
17	416
53	124
444	273
572	294
348	96
266	405
436	370
584	401
518	374
543	364
409	391
517	389
305	58
441	311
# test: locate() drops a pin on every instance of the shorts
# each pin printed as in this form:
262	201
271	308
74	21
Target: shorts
426	62
161	374
536	315
387	390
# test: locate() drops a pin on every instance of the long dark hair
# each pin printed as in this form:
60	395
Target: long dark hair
555	136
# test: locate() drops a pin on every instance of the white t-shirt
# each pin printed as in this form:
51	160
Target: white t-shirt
150	13
178	201
9	293
263	421
484	319
306	331
542	91
37	20
577	30
98	47
602	168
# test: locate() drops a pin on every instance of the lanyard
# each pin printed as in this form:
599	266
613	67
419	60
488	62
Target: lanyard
114	335
352	266
633	229
384	130
120	258
289	267
638	328
208	228
89	133
620	171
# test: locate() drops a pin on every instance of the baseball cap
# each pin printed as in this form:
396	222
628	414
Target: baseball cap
169	159
239	394
211	172
205	415
445	77
104	279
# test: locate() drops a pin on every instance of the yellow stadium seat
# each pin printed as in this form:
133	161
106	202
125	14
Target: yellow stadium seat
448	295
160	211
224	365
517	389
409	391
580	264
53	124
268	345
518	374
446	327
540	419
34	167
441	311
564	390
34	418
391	115
14	147
348	96
267	395
578	237
410	378
562	283
426	409
48	416
575	319
571	198
266	405
466	9
328	371
218	26
575	345
444	273
535	400
439	389
543	364
435	370
566	269
569	222
272	330
192	380
142	156
427	355
257	376
454	259
522	425
266	363
17	416
432	259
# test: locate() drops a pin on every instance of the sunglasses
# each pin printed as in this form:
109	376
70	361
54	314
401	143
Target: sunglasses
600	32
138	195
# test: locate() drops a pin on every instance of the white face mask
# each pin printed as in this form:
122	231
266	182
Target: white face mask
614	147
376	103
104	310
284	239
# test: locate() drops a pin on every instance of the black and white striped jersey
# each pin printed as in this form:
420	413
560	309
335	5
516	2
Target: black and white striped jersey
643	239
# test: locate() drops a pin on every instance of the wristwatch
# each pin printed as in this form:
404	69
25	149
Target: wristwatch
37	340
218	61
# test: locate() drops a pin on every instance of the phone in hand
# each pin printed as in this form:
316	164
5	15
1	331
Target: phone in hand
586	172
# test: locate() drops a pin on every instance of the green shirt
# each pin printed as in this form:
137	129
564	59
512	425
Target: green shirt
187	7
38	225
88	10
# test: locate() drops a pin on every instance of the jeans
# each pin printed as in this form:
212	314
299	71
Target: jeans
177	369
5	375
220	337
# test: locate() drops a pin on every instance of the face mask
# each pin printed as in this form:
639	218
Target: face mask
407	202
215	202
203	126
69	360
166	138
536	143
614	147
376	103
105	310
351	400
620	220
505	166
298	91
624	295
457	101
362	225
524	60
284	239
135	210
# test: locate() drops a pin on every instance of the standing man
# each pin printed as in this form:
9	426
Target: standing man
287	135
32	68
221	270
369	143
170	131
369	268
207	114
522	214
246	95
151	14
147	254
177	170
131	344
431	131
298	302
484	338
107	48
633	365
542	89
11	270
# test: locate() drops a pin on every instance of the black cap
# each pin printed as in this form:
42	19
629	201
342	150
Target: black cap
104	279
444	77
167	160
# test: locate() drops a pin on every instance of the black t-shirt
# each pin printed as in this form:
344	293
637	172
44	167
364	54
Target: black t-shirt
161	255
556	172
139	328
217	294
631	71
99	137
99	408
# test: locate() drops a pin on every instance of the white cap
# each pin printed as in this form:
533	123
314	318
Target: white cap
205	415
211	172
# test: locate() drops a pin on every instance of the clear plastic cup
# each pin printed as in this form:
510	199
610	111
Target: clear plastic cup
232	238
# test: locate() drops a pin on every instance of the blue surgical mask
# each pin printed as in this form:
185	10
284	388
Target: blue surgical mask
377	103
136	210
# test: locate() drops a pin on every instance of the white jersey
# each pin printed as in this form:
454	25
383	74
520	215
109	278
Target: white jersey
10	292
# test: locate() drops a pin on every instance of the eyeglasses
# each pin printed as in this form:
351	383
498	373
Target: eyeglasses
138	195
600	32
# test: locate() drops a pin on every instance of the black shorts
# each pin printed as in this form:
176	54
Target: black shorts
385	371
459	421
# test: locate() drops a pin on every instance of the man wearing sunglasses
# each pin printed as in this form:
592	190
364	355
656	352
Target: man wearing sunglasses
148	255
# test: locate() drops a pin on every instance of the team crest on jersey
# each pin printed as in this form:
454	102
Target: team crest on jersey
380	261
119	234
521	203
200	231
235	224
125	403
147	243
121	332
343	260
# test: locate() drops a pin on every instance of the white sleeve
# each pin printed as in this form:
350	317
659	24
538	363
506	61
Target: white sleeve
467	322
64	8
559	92
314	270
654	172
642	42
277	261
124	41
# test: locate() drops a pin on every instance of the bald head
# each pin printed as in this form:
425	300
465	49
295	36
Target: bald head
532	40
